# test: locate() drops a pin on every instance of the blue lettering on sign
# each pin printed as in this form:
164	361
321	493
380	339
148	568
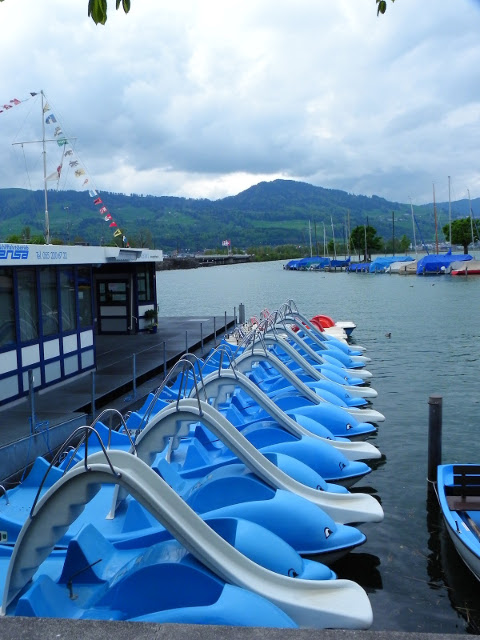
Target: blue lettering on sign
14	251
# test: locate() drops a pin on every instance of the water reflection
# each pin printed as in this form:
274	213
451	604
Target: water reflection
362	568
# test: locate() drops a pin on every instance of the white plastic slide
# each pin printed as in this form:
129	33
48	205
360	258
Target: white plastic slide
342	507
318	604
220	384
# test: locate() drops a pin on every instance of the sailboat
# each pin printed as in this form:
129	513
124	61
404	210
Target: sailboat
471	267
439	264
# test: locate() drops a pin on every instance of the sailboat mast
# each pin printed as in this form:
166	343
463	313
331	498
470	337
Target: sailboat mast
413	225
436	224
449	213
393	232
471	217
348	233
44	153
333	236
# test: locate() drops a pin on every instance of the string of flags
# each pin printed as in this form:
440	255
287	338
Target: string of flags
68	156
226	243
14	102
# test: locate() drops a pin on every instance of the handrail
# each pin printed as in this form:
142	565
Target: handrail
5	493
86	435
54	460
186	362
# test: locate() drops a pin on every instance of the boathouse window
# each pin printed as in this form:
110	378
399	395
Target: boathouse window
85	296
49	300
145	284
7	308
27	304
67	297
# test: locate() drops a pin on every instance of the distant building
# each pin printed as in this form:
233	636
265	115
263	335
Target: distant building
55	299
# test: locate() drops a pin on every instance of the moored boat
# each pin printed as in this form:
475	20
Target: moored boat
469	268
458	488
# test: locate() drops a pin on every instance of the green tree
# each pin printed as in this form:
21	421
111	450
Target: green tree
462	232
364	238
401	245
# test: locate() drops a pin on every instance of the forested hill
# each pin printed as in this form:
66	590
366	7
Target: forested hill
269	213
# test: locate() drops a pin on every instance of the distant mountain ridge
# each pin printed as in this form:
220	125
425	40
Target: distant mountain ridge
268	213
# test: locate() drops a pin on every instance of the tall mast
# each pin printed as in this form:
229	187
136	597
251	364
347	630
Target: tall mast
310	236
393	232
333	236
436	224
471	217
413	225
44	152
348	234
449	213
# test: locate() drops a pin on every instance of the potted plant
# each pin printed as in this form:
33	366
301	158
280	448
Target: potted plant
151	317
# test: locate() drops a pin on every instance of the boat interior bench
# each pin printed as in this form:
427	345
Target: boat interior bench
464	493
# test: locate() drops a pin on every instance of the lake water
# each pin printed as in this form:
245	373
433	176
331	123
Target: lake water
414	578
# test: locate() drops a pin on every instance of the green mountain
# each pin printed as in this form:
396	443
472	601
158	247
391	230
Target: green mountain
267	214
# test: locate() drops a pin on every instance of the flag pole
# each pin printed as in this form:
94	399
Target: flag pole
44	153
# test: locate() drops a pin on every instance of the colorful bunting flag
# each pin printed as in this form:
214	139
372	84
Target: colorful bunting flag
79	171
56	174
13	103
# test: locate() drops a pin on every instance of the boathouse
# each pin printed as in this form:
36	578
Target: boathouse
54	301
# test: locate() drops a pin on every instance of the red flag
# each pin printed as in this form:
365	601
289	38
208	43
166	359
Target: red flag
97	201
114	224
103	209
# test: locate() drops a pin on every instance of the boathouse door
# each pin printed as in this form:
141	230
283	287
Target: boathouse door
113	305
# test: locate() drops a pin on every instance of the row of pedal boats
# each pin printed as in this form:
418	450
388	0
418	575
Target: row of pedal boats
208	503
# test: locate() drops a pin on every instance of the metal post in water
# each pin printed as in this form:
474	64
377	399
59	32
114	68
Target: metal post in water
201	339
434	435
31	395
214	331
93	395
225	327
241	313
234	318
186	341
134	364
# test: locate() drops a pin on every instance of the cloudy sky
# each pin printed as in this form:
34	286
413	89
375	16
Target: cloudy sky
205	98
